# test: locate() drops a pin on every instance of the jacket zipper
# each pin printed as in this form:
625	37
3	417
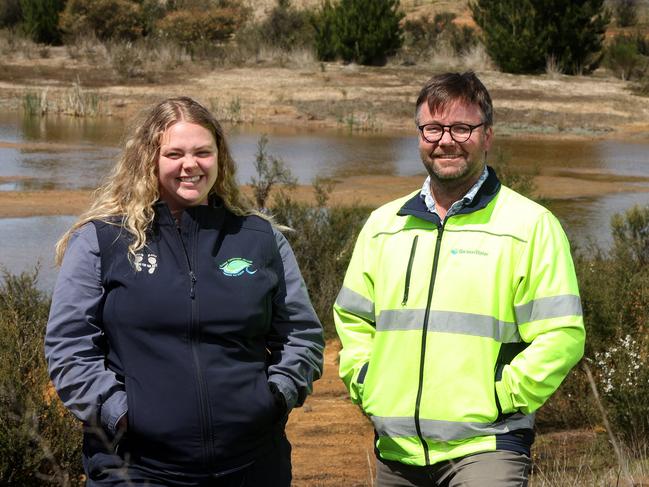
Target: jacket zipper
406	288
420	388
193	337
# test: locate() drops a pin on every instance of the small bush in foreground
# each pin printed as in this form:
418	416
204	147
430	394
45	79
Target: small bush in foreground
39	441
323	239
615	295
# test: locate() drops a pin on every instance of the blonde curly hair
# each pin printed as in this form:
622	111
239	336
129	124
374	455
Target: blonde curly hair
128	195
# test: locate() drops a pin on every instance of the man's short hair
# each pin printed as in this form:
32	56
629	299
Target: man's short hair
443	89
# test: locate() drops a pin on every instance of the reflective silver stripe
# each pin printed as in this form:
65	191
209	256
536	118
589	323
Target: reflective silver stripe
448	430
356	304
449	322
551	307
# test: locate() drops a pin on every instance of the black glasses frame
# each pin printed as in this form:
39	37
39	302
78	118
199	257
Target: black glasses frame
450	131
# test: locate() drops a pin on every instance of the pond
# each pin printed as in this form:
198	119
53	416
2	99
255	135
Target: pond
68	153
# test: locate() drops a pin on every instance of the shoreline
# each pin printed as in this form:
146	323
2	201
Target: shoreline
371	191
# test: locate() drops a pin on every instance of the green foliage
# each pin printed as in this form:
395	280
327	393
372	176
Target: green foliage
323	240
626	12
41	18
286	27
10	13
39	441
623	56
106	19
615	295
361	31
520	35
270	171
198	29
422	36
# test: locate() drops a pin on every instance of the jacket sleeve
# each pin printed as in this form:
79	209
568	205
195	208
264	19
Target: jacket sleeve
73	338
549	317
296	341
354	317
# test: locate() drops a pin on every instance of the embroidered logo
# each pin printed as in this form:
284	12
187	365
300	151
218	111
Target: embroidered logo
236	266
146	262
469	252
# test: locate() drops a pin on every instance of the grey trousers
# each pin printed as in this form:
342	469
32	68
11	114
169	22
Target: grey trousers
488	469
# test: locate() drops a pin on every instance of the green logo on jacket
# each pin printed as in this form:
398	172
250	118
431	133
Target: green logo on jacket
236	266
468	252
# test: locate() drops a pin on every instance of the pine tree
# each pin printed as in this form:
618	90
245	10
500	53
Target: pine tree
362	31
521	35
41	19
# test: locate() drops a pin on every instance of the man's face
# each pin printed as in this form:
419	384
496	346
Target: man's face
447	160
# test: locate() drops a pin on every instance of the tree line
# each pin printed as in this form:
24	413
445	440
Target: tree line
520	36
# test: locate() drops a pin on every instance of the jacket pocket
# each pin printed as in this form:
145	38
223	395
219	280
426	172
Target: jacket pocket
507	353
360	381
411	259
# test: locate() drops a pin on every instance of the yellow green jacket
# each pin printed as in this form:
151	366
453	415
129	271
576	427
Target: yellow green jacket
454	334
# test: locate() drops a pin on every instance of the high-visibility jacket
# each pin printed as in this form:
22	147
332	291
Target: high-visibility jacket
455	333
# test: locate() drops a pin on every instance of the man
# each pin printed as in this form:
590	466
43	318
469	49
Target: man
460	314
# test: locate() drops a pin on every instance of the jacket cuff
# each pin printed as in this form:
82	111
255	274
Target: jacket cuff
506	403
112	410
287	387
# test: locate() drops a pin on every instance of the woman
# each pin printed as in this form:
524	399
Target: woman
180	332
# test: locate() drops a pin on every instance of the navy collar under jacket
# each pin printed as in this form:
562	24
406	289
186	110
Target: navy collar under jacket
415	206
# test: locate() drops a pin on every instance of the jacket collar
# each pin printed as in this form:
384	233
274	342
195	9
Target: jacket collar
209	214
416	207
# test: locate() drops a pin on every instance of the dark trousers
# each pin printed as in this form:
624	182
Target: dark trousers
112	470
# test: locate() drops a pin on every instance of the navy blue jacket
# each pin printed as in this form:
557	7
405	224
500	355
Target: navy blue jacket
186	337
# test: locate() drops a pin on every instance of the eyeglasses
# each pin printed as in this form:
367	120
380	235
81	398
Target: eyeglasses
460	132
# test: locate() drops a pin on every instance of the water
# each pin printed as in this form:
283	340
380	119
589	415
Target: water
68	153
29	242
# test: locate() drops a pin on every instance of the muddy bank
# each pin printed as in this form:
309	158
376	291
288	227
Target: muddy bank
330	95
367	190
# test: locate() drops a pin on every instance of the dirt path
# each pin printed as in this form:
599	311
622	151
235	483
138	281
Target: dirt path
332	440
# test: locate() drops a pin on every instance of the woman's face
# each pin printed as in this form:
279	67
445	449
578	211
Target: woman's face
187	166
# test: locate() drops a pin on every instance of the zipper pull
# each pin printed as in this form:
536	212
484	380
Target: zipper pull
192	290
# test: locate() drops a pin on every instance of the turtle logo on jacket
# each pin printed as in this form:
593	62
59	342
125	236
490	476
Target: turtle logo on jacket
236	266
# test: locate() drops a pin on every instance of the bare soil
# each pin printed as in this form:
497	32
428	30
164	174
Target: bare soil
332	439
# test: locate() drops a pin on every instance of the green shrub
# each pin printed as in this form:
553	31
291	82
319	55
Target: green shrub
615	295
626	12
461	38
420	36
195	29
323	240
10	13
39	441
287	28
106	19
270	171
41	19
521	35
361	31
623	57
